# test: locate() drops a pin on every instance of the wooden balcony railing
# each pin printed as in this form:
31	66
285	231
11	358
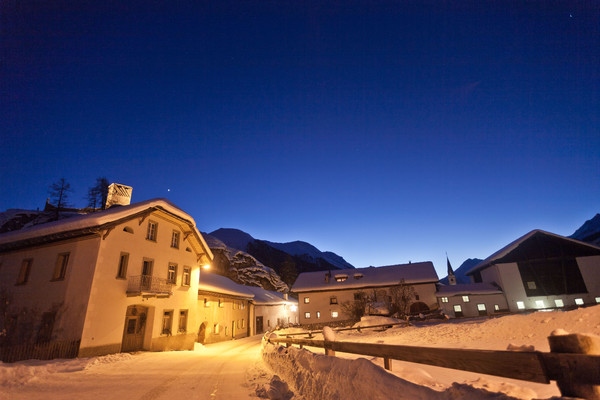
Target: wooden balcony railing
147	284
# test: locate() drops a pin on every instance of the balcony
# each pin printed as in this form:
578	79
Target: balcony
146	285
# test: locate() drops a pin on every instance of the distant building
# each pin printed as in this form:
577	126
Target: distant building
543	270
321	293
122	279
273	310
471	299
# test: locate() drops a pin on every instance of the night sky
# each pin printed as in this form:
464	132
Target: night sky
382	131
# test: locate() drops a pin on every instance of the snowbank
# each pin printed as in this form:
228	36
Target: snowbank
317	376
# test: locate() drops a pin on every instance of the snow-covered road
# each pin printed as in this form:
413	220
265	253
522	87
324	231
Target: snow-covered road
227	370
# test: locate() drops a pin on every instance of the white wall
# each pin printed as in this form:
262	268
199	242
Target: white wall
469	309
271	314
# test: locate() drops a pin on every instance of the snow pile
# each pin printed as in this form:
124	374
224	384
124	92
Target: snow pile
317	376
276	389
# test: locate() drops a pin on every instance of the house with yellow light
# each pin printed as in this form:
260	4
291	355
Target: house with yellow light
122	279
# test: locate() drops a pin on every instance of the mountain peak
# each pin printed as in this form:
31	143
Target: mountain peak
234	238
589	232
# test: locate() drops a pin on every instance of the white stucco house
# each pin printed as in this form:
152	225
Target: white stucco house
543	270
321	293
273	310
122	279
471	299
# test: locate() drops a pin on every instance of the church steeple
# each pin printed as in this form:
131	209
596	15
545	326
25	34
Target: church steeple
451	276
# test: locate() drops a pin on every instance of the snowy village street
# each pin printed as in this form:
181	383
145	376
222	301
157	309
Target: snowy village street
224	370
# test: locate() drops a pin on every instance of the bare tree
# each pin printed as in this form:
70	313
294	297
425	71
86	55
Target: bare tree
400	298
59	194
98	194
356	308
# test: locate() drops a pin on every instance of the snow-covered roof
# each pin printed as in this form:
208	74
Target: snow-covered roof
467	288
99	219
266	297
421	272
210	282
513	245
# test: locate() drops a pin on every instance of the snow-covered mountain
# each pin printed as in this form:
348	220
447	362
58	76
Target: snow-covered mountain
287	259
589	232
242	268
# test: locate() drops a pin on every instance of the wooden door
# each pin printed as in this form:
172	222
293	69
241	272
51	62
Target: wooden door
135	327
259	324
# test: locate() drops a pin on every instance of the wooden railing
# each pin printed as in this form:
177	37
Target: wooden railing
141	284
576	372
40	351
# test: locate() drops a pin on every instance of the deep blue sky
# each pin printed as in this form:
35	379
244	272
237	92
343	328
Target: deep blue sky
382	131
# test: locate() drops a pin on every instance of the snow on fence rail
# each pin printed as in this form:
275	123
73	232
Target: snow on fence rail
574	362
39	351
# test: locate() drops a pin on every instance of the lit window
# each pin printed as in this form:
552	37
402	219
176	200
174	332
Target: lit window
206	302
243	323
175	240
167	322
481	307
539	304
318	314
341	278
333	300
520	305
151	232
221	303
559	303
60	269
306	300
216	329
183	316
597	299
465	299
307	315
242	305
172	274
457	308
579	301
496	307
123	261
185	277
444	299
531	285
334	314
25	271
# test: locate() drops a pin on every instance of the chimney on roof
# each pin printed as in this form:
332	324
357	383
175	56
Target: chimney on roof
327	276
118	195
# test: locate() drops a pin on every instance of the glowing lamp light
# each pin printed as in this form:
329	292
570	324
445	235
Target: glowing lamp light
293	308
206	266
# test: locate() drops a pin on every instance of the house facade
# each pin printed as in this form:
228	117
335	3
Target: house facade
273	310
471	300
123	279
225	309
322	293
542	270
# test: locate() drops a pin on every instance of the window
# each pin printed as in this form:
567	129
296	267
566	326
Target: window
307	315
341	278
25	271
358	276
128	229
172	274
221	303
465	299
152	229
520	305
306	300
579	301
123	261
216	329
242	305
318	314
333	300
183	316
175	240
185	277
334	314
444	299
458	310
416	296
60	269
206	302
147	267
481	309
167	322
559	303
243	323
598	300
531	285
496	307
539	304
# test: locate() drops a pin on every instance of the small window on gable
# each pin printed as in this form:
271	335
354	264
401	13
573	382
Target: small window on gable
175	239
128	229
152	230
188	249
60	268
25	271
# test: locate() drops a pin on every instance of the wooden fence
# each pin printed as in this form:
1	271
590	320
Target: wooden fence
40	351
574	362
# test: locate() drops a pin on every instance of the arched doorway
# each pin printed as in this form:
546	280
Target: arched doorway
202	333
135	327
418	307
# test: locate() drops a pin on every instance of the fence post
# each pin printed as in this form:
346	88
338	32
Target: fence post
579	344
387	364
